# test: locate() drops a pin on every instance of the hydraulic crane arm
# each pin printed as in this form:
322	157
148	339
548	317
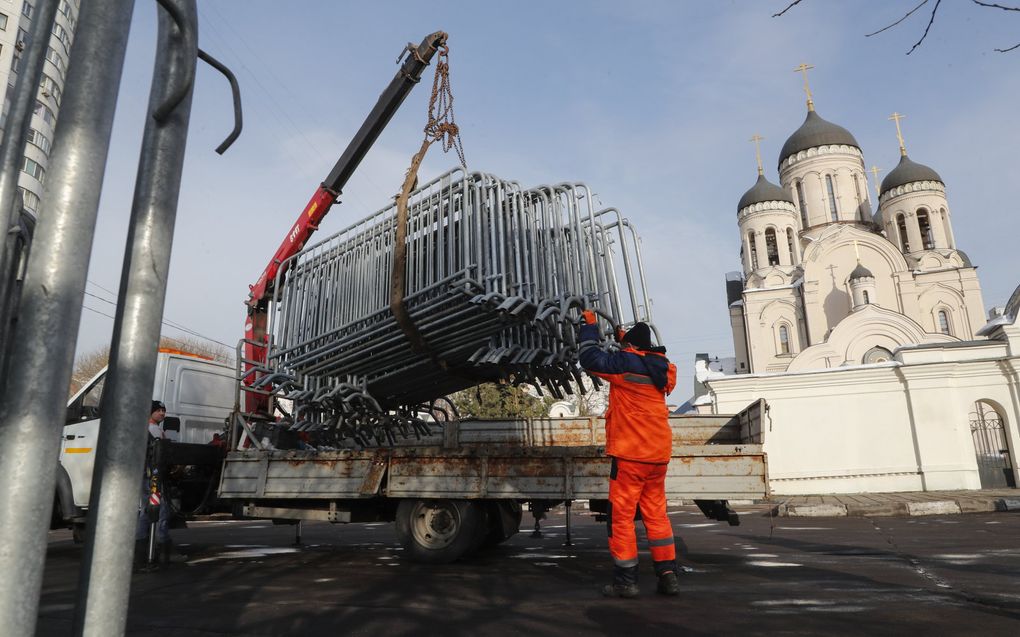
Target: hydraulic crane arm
326	195
390	100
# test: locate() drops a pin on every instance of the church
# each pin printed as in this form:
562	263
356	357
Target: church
826	281
864	329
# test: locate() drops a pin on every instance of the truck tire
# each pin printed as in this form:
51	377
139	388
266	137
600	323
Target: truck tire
438	531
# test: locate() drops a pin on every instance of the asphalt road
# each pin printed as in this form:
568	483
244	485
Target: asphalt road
952	575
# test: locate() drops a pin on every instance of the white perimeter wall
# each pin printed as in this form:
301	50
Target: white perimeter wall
901	426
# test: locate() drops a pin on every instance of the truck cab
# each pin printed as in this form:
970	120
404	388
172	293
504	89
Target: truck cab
198	393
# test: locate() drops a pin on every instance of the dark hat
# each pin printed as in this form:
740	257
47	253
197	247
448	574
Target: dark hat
640	336
157	406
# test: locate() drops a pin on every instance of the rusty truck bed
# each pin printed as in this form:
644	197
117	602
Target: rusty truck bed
717	457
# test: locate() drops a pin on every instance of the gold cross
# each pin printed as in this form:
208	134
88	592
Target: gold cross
874	175
896	117
756	138
803	68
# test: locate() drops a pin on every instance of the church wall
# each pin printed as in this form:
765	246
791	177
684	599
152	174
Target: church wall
757	222
882	428
764	311
842	163
826	273
737	324
956	290
907	200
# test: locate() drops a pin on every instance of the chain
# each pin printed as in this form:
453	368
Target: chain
442	125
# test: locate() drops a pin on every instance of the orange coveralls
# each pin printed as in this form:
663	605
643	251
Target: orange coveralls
640	442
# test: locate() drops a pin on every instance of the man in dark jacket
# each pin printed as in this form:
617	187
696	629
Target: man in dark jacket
640	442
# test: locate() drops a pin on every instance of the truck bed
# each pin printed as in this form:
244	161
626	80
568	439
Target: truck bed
717	457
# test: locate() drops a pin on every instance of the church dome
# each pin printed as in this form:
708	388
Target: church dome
763	190
861	272
815	131
906	172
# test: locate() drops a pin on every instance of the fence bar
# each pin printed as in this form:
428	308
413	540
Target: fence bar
42	345
105	578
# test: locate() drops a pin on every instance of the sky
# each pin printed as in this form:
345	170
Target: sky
651	103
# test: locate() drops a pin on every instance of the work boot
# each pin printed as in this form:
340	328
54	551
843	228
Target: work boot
141	553
624	583
668	584
627	591
166	555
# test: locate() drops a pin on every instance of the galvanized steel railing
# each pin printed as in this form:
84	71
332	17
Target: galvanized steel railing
495	277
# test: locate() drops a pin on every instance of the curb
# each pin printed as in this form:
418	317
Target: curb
889	509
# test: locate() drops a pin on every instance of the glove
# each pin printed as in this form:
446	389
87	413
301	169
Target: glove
589	317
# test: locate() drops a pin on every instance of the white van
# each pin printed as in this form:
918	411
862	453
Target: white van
196	390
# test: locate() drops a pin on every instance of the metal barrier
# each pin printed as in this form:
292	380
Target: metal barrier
495	278
47	304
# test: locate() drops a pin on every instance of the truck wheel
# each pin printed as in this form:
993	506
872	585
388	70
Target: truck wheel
438	531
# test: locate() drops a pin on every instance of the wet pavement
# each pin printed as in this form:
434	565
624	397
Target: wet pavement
945	575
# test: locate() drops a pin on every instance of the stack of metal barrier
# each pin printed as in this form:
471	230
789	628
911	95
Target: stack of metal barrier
495	278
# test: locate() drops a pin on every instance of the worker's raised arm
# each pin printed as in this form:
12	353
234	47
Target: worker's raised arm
592	357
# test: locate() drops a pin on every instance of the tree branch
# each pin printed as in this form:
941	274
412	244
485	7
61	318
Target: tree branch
927	28
788	7
886	28
992	5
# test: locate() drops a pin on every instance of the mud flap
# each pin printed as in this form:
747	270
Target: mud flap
718	510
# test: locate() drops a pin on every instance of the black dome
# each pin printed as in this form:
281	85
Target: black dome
815	131
763	190
906	172
861	272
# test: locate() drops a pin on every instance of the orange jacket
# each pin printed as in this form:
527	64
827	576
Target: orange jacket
637	421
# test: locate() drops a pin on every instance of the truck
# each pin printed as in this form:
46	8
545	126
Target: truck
199	395
462	487
452	488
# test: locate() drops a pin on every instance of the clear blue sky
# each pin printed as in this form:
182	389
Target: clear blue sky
650	103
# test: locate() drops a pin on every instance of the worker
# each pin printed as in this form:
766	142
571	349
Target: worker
640	442
152	489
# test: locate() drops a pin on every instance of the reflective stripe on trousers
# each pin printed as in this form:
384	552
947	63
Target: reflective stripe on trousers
633	485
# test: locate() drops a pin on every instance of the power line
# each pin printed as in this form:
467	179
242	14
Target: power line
171	324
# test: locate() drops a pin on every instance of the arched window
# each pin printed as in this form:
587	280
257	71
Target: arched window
901	230
867	299
752	250
924	223
771	248
832	197
790	243
784	340
803	204
944	322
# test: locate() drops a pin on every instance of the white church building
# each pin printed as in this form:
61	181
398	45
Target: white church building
865	330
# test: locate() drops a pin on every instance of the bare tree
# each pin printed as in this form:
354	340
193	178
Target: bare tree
931	19
87	366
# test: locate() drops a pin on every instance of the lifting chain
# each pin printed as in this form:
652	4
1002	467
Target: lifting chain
441	127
